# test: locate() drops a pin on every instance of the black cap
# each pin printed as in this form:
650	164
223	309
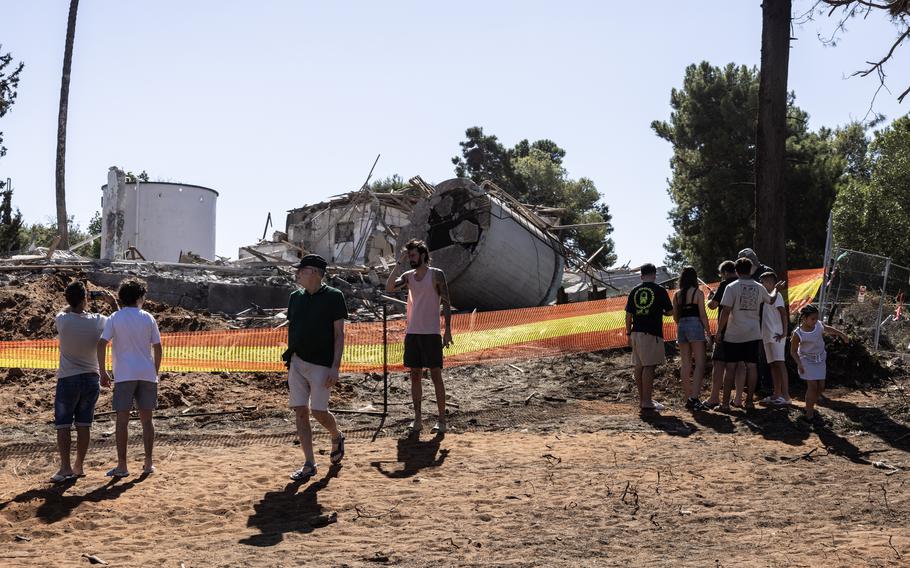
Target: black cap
313	260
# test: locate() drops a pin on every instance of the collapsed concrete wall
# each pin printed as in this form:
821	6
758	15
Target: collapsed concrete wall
494	256
215	297
359	229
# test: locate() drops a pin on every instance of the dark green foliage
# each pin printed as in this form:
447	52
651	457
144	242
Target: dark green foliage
533	173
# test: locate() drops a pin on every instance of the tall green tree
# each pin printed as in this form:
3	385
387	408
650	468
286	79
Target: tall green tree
61	124
533	173
9	86
10	222
873	214
712	130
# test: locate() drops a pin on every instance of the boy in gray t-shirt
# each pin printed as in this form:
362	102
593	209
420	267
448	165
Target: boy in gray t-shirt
77	377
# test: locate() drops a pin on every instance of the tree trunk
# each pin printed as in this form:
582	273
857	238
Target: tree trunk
771	136
61	126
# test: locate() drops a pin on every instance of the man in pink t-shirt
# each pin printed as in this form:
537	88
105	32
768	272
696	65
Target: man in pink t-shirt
423	342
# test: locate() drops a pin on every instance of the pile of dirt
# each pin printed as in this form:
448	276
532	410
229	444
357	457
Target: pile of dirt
29	303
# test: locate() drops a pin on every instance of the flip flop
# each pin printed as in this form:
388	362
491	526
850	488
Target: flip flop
148	471
117	473
305	473
57	478
338	455
439	428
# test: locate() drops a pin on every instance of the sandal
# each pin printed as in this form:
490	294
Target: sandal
336	456
117	473
59	478
305	473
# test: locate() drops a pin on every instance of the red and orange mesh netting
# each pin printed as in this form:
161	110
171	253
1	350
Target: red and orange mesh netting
505	335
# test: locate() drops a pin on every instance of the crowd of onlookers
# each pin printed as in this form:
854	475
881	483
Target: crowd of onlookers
752	331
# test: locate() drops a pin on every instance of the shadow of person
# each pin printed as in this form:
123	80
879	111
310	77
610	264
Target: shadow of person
873	420
774	424
415	455
285	511
839	445
668	423
57	505
720	423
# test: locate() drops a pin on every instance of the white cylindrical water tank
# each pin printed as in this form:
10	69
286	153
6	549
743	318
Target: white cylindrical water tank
160	219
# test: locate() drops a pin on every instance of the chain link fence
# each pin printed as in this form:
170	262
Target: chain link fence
866	293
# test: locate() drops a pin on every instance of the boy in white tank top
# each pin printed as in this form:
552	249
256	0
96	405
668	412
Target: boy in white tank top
423	342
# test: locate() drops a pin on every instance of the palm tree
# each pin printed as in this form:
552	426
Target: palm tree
61	125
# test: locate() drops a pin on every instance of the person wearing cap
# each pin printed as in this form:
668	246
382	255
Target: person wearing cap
423	342
740	330
774	334
646	307
78	377
316	314
757	267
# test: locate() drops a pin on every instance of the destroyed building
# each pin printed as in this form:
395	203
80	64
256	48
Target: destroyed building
156	221
354	229
495	251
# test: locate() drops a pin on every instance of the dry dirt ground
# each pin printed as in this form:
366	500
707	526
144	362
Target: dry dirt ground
560	481
547	463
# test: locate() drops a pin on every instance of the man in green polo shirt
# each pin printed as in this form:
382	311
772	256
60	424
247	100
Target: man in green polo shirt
316	315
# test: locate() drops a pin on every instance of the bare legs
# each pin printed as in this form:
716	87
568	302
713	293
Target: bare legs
692	368
779	377
64	445
814	390
417	395
644	382
122	436
305	431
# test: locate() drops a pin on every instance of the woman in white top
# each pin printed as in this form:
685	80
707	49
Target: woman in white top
808	350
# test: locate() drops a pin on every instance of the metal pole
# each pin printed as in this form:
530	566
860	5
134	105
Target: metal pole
385	361
825	270
881	305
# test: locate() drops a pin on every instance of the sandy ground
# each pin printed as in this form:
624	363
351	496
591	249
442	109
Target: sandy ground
607	488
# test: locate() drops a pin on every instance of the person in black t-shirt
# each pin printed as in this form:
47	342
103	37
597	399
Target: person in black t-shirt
646	307
727	273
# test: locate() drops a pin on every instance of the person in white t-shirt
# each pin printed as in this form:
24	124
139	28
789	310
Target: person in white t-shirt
739	327
134	334
775	322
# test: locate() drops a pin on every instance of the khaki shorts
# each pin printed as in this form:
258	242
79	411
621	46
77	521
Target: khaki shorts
307	384
647	349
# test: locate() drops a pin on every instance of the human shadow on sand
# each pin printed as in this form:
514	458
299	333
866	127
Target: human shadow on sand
57	505
416	455
873	420
288	510
668	423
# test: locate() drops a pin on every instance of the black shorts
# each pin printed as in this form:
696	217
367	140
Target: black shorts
719	354
746	352
423	351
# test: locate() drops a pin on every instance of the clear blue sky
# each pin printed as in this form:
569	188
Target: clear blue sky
277	104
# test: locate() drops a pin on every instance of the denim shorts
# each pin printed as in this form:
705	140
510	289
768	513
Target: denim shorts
690	330
75	400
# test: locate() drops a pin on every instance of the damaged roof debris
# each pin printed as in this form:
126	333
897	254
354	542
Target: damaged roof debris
497	253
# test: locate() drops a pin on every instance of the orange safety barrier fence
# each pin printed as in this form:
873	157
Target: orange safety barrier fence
505	335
